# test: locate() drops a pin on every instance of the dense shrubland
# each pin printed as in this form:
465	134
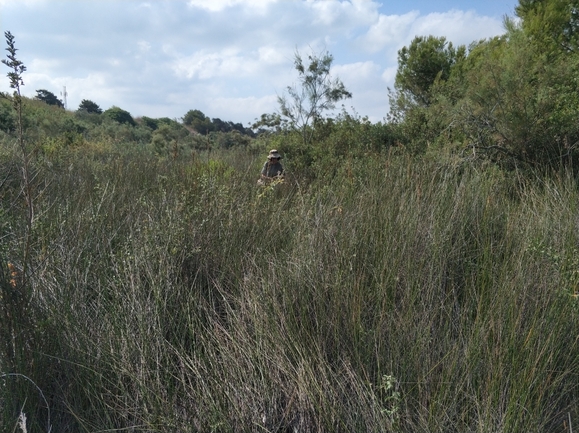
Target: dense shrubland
512	98
418	274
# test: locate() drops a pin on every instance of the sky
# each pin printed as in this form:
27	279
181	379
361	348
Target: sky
231	59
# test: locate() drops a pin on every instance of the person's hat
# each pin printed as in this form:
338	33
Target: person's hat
273	154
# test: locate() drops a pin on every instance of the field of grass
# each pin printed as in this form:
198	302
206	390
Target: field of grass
400	295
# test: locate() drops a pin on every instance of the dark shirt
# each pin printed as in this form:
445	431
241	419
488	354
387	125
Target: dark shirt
272	170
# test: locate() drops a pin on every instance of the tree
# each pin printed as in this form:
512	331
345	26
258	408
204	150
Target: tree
426	61
90	106
150	123
269	123
198	121
424	68
119	115
220	125
48	98
193	115
553	24
521	101
316	93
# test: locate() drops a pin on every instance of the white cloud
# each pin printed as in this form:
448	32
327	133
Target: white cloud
349	13
220	5
394	31
214	104
225	57
460	27
389	30
46	65
20	2
95	87
271	55
243	108
113	62
356	72
363	80
205	65
144	46
389	74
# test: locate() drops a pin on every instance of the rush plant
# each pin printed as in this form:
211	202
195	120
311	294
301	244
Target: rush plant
17	68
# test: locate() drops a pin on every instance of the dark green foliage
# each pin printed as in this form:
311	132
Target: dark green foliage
204	125
512	99
198	121
192	116
426	61
153	124
48	98
337	142
423	71
150	123
119	115
551	24
7	116
89	106
89	118
222	126
531	117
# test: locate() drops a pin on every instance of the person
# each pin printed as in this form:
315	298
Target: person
272	168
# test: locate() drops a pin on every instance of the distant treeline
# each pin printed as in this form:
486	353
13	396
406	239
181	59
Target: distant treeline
196	120
46	123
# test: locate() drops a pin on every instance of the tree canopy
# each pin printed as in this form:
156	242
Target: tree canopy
202	124
119	115
513	98
197	120
554	24
316	92
90	106
48	97
426	61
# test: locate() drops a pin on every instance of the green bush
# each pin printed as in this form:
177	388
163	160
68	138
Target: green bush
119	115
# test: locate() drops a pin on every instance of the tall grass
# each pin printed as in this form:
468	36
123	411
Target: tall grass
401	295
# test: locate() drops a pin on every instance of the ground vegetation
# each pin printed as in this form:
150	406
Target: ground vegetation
415	274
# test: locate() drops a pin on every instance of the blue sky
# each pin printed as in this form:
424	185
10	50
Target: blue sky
227	58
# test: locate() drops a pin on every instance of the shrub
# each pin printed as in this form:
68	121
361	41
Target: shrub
119	115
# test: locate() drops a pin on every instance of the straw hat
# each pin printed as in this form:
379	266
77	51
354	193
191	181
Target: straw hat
273	154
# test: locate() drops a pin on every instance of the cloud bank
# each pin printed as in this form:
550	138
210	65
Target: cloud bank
228	58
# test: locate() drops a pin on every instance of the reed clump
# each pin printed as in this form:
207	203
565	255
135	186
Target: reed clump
404	295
